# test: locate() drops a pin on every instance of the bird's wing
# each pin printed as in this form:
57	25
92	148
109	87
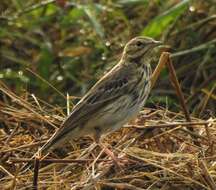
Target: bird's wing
116	83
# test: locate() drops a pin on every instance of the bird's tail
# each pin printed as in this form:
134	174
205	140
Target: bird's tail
51	144
57	139
41	153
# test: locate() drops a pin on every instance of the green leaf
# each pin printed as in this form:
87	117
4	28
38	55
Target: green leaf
131	2
72	17
161	22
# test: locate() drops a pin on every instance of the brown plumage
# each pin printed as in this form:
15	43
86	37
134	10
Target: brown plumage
115	99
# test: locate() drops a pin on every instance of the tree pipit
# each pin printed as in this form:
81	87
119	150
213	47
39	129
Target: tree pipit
114	100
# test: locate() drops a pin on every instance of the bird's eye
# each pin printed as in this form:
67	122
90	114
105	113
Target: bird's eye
139	44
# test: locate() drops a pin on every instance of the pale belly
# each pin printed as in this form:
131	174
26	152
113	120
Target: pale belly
125	114
114	118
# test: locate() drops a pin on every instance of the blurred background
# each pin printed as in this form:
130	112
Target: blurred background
53	47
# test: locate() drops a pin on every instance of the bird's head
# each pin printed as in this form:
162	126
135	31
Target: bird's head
140	46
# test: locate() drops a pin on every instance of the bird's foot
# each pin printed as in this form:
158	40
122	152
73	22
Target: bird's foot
119	162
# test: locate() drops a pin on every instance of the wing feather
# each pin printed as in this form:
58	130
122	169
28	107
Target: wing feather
114	84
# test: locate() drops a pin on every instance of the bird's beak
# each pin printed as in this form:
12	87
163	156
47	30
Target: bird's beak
157	43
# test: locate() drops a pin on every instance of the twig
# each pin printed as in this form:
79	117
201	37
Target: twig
210	141
163	59
48	83
174	79
36	173
120	186
209	180
59	161
24	146
194	135
6	171
195	49
176	84
164	125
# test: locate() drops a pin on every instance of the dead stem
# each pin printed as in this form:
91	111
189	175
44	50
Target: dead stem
36	173
205	173
57	161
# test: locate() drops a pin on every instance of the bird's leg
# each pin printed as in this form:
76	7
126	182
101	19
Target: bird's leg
109	153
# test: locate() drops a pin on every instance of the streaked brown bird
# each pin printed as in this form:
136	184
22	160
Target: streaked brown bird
114	100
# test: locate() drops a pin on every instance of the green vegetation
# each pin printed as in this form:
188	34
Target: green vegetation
53	51
70	44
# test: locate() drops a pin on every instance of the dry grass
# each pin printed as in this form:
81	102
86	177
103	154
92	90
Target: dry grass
156	151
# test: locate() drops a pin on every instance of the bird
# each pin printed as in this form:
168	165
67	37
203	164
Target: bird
114	100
